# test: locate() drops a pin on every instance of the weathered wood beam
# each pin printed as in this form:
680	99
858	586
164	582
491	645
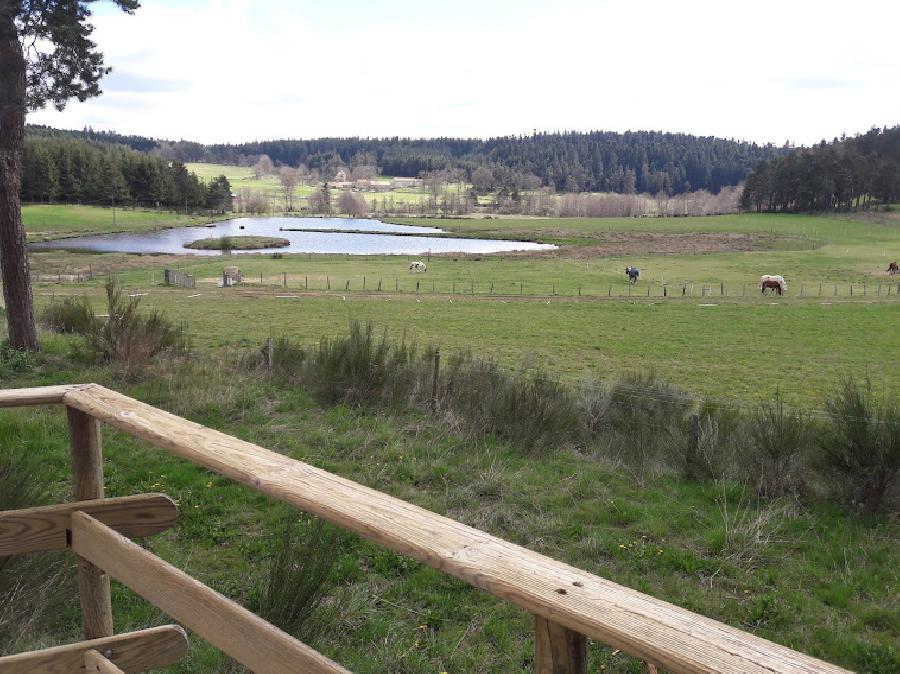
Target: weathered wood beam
557	649
41	395
246	637
140	651
653	630
47	527
86	451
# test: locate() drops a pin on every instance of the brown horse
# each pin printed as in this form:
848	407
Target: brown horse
771	285
893	268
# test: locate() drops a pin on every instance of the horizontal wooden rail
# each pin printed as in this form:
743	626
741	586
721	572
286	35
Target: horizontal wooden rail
140	651
96	662
43	395
230	627
46	528
653	630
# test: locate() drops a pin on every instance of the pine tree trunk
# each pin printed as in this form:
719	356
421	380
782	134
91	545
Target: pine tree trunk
13	256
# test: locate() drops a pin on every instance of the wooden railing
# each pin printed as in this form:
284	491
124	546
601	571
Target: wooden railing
569	605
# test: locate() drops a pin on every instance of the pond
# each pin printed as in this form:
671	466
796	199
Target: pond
316	235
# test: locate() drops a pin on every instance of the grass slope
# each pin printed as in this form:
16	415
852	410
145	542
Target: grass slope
50	221
806	575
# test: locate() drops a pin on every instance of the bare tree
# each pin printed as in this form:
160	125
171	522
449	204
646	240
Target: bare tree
483	179
262	167
288	178
366	172
352	203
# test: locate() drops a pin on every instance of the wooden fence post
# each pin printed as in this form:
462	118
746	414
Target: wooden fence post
87	483
557	649
284	279
270	353
434	380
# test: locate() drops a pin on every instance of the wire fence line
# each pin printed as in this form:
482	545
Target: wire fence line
364	284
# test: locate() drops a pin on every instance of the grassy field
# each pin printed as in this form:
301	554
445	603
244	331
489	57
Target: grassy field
527	308
806	574
46	221
241	177
802	571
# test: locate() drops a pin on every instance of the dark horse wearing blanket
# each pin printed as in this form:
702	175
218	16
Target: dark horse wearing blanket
633	274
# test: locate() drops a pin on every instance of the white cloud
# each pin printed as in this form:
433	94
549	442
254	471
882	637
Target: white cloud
232	70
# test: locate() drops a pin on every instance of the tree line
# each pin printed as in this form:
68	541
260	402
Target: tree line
596	161
847	173
64	169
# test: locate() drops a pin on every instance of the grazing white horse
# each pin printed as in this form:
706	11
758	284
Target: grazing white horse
417	265
773	282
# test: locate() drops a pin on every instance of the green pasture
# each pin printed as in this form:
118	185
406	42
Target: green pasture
736	350
806	574
570	311
50	221
241	177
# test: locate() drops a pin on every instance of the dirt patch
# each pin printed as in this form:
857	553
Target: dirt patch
620	244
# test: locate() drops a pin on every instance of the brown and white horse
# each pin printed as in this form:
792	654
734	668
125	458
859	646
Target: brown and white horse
893	269
775	283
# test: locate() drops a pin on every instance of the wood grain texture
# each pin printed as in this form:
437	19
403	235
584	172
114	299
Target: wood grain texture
648	628
94	662
557	649
34	529
246	637
41	395
140	651
86	451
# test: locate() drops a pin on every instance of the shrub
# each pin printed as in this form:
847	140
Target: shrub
72	315
526	407
361	368
299	576
860	446
778	440
130	337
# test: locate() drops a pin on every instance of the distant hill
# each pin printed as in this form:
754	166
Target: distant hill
595	161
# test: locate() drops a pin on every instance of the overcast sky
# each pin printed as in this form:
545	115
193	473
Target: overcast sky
236	70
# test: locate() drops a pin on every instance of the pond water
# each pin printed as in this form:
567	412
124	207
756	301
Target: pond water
350	236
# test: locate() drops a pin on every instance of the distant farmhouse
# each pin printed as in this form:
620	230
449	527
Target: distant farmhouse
374	185
406	182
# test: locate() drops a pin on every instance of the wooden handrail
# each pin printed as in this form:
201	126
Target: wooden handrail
47	527
42	395
225	624
153	648
643	626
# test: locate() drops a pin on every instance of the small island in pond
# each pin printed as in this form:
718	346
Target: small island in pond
238	243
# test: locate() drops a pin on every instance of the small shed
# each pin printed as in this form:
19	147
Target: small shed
230	276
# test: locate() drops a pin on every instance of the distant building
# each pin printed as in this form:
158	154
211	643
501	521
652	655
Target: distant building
340	184
406	182
373	185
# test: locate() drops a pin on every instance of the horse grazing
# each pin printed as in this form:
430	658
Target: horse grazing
633	274
417	265
893	269
775	283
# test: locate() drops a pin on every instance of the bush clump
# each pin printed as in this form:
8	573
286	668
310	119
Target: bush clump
72	315
126	336
859	447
